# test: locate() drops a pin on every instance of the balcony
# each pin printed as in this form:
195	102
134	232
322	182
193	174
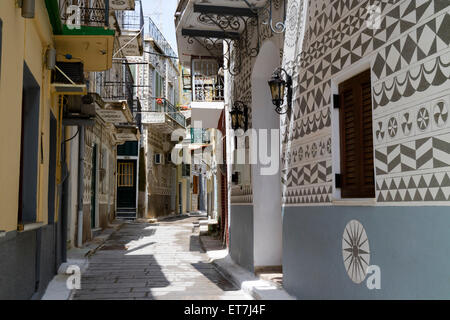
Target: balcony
81	31
114	90
132	32
163	115
207	92
158	40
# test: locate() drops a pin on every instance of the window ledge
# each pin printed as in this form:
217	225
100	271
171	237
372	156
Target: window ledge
30	226
354	202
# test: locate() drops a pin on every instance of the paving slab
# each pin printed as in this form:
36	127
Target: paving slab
149	260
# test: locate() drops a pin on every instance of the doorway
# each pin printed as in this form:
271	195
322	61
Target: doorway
29	149
52	170
126	188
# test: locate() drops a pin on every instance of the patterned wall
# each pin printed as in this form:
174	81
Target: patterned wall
410	62
240	86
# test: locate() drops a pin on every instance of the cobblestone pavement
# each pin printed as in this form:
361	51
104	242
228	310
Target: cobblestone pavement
162	260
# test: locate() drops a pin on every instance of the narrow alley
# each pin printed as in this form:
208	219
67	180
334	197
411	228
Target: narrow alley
161	260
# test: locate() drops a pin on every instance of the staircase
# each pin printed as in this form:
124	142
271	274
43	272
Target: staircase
126	213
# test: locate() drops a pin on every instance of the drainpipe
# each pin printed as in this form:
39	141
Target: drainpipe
80	186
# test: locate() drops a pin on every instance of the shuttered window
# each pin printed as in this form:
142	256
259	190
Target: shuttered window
357	171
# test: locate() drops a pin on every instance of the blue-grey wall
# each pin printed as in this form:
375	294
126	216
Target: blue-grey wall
27	263
411	245
241	235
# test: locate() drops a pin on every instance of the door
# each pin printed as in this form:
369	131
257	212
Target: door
93	186
126	184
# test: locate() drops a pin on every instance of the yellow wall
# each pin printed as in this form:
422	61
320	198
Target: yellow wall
23	40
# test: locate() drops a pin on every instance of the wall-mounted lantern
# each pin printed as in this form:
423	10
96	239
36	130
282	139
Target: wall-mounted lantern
239	116
278	86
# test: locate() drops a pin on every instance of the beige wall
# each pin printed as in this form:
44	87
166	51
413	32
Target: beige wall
23	40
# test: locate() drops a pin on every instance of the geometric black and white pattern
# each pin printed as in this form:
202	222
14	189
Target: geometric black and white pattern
313	173
408	140
424	153
306	195
427	187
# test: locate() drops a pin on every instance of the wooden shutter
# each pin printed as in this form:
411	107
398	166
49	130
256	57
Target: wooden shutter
357	165
195	185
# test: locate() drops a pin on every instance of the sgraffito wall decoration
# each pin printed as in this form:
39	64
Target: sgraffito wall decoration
409	56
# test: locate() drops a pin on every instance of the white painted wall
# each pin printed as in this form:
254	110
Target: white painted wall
266	189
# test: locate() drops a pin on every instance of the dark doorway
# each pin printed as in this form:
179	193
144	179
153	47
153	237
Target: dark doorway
52	170
29	149
93	186
126	188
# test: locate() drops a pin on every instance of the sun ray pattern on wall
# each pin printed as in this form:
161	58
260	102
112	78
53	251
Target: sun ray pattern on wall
355	251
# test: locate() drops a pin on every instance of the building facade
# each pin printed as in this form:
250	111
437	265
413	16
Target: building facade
158	88
362	172
60	170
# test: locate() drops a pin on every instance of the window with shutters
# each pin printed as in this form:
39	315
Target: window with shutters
357	165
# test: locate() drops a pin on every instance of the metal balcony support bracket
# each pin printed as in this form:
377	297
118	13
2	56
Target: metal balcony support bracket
235	25
265	13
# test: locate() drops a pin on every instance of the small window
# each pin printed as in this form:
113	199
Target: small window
357	165
125	174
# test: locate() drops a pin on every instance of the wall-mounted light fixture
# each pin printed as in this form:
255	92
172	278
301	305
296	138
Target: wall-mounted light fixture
239	116
27	8
278	86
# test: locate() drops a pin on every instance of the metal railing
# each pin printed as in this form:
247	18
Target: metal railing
163	105
207	84
155	34
92	13
116	83
134	20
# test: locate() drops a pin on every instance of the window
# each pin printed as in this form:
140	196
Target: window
125	174
357	165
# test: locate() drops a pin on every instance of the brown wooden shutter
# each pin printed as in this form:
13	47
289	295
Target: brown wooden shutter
357	166
195	185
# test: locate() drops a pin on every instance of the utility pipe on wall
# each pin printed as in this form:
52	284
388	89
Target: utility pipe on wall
80	185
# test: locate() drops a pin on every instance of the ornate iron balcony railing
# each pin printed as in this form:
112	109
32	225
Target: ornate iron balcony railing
91	13
163	105
207	84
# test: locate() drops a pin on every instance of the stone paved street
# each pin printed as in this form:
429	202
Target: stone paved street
162	260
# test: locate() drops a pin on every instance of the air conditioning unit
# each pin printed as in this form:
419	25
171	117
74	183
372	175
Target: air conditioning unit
159	158
79	110
61	74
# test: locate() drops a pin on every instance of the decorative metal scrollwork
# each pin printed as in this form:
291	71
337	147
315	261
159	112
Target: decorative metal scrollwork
266	14
235	47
